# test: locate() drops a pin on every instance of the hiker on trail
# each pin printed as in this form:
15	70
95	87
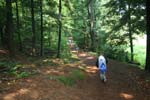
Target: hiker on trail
77	49
101	63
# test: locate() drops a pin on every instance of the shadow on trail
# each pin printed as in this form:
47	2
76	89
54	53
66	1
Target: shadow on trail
119	86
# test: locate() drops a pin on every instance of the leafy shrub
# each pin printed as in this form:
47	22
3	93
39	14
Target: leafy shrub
12	68
116	52
8	66
23	74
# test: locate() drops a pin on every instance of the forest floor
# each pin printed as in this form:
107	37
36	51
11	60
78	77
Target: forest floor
125	82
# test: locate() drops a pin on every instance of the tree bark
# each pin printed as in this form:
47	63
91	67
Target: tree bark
130	33
33	29
91	23
60	25
49	38
147	66
9	28
2	36
22	8
41	10
18	27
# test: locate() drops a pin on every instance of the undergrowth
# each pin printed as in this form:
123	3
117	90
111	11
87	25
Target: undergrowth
72	78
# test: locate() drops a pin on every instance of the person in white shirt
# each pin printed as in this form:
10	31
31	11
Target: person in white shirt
101	63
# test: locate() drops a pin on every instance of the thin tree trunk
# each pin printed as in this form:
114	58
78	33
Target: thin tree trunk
2	37
89	18
93	24
60	25
41	9
33	29
9	28
2	30
130	34
22	8
49	39
85	42
147	66
18	27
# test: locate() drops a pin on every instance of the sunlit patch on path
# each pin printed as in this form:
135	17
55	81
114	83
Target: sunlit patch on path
11	96
46	86
126	96
91	69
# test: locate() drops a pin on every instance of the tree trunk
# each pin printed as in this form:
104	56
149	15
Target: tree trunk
33	29
89	19
18	27
91	23
147	66
41	10
49	38
130	34
2	37
85	40
9	28
22	8
60	25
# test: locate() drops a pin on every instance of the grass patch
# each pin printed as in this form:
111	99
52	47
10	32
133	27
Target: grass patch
72	78
70	60
46	62
78	74
93	53
69	81
140	55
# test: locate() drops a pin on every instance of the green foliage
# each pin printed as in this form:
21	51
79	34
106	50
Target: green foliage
12	69
114	39
116	52
65	52
9	64
72	78
23	74
69	81
140	55
46	62
110	26
70	60
77	74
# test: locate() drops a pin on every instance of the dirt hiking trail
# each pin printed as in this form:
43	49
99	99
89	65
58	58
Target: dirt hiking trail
123	83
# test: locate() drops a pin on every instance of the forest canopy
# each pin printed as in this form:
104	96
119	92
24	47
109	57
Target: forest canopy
43	27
